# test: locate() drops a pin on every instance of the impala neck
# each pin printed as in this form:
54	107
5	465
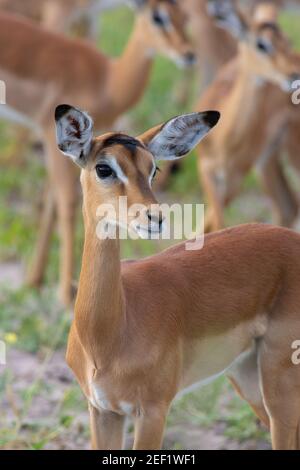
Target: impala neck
99	307
130	73
248	95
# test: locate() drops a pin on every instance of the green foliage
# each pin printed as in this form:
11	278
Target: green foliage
37	320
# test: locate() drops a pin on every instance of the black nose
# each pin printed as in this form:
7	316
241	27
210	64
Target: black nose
157	219
190	58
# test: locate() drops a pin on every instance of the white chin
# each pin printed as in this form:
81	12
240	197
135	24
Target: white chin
146	234
143	234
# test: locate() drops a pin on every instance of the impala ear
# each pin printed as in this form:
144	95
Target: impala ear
227	15
74	133
180	135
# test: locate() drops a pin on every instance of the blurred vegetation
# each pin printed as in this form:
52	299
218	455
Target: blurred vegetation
34	322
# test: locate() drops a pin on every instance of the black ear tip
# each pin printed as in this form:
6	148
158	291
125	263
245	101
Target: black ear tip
61	110
212	118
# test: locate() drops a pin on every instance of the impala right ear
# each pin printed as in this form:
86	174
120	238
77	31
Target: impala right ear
177	137
74	133
227	15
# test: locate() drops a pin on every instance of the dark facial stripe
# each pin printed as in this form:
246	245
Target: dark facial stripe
130	143
272	26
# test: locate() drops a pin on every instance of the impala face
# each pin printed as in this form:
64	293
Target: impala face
165	28
271	55
266	49
116	165
120	166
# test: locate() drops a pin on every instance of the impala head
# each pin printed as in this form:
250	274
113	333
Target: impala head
115	165
164	29
263	46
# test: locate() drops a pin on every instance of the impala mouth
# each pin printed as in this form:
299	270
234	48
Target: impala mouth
186	61
146	232
288	85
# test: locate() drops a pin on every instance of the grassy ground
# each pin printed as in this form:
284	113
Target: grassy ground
40	404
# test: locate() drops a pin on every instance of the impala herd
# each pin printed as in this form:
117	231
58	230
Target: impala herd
146	331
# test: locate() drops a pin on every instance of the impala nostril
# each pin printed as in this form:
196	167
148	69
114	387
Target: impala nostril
158	219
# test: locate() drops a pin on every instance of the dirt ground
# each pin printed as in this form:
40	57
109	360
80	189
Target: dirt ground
59	378
55	380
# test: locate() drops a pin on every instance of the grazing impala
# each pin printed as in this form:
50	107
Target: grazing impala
42	69
146	330
254	114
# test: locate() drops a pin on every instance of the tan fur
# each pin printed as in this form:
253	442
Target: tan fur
43	69
255	119
146	330
53	14
214	46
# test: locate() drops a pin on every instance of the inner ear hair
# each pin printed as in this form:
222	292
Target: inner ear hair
74	133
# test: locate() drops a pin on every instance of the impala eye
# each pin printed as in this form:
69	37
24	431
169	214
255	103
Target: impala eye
264	46
158	20
104	171
161	19
155	172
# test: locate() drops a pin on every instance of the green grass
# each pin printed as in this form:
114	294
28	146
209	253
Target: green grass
39	324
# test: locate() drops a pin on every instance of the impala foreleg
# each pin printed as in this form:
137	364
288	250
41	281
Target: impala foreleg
280	377
107	429
214	217
275	184
37	270
149	428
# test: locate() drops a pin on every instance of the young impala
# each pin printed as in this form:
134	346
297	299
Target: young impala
42	69
254	113
145	330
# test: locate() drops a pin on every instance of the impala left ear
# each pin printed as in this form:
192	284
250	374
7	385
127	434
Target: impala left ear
180	135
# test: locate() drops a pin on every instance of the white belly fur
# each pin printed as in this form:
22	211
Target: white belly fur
204	361
207	359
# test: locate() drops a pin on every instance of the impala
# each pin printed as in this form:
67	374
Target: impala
145	331
42	69
213	44
254	112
